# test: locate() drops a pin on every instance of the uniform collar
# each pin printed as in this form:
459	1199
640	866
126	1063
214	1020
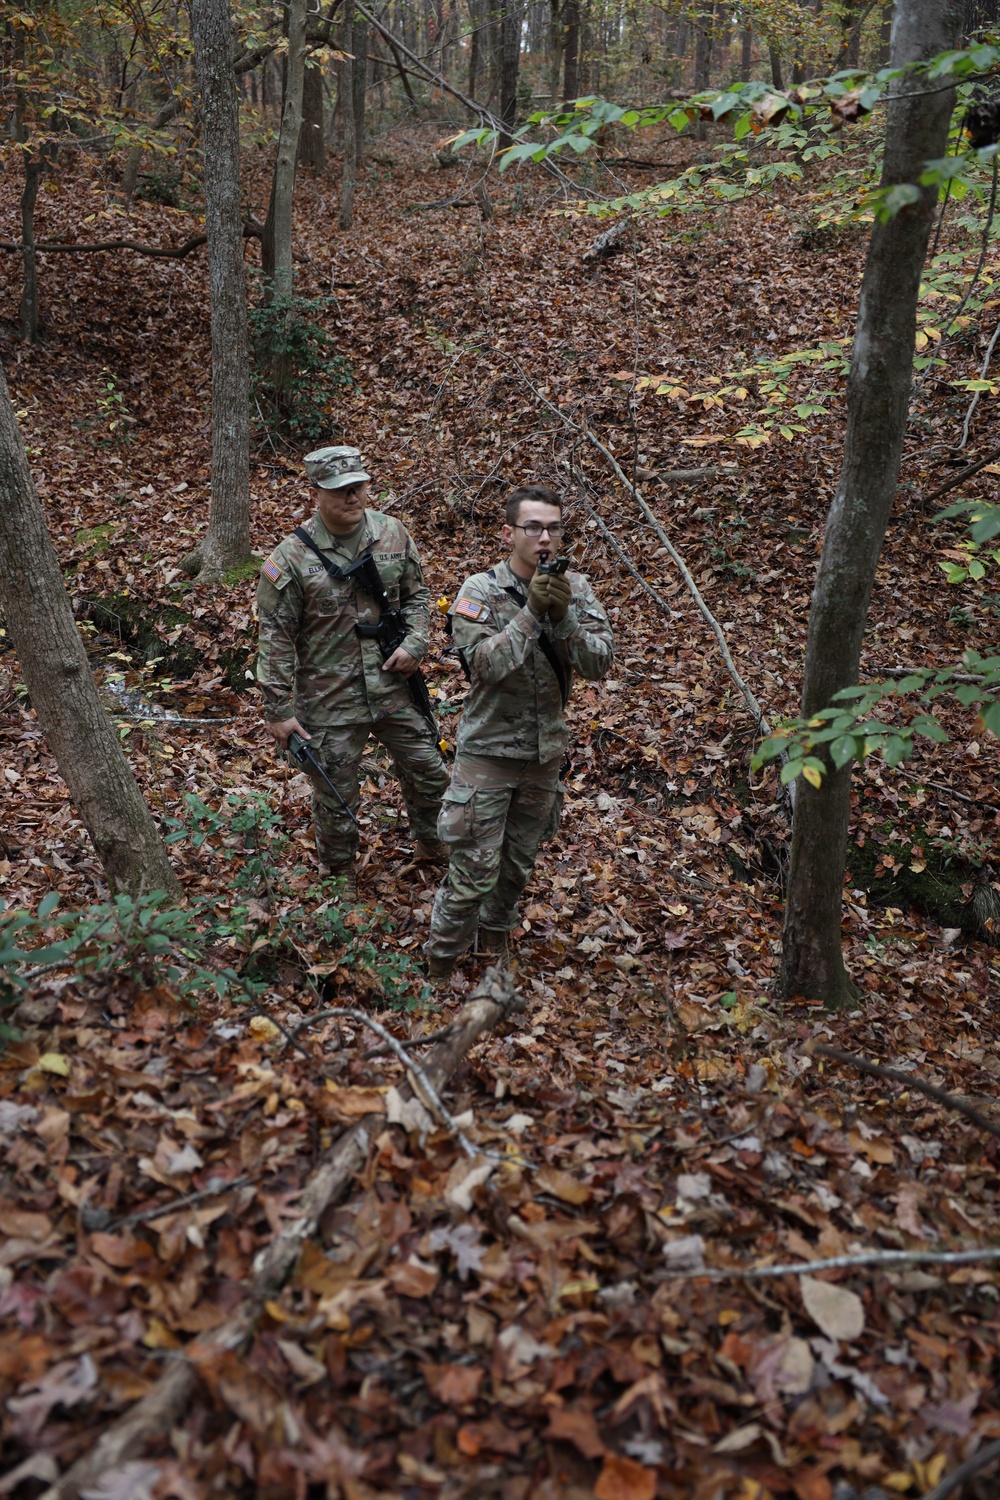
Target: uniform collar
328	543
506	576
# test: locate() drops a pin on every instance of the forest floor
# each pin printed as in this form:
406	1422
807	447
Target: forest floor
528	1325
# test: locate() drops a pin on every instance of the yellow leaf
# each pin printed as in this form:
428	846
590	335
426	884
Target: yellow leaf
813	776
728	1315
929	1474
263	1030
898	1481
158	1336
54	1062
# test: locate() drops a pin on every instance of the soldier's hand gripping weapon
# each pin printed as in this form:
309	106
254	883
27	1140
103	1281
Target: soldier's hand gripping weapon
298	749
390	631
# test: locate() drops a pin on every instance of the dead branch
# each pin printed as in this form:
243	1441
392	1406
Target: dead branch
909	1080
251	231
493	1000
962	475
625	560
965	1471
850	1262
612	242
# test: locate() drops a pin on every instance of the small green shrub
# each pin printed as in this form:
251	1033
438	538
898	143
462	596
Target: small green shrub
295	373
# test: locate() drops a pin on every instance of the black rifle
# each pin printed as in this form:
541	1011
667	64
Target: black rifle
391	630
298	749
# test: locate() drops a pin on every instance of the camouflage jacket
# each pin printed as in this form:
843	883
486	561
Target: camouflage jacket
311	662
515	705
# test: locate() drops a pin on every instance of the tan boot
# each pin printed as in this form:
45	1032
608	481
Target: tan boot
494	942
431	850
440	966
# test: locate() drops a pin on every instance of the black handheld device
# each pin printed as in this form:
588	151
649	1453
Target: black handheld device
557	565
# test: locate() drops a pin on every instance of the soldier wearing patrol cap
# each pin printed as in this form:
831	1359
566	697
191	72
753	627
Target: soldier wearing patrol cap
520	634
327	682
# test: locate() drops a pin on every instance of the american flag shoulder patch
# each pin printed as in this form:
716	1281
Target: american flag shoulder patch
470	609
272	570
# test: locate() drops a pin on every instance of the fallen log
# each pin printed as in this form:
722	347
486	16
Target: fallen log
493	1001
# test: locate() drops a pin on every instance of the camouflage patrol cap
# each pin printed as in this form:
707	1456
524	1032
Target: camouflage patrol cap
332	468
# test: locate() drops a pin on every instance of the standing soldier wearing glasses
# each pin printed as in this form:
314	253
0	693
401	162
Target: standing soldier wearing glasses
520	635
320	666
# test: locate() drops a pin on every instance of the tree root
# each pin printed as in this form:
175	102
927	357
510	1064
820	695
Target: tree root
493	1001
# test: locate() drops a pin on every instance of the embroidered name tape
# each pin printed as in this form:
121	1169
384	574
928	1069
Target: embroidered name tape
271	570
470	609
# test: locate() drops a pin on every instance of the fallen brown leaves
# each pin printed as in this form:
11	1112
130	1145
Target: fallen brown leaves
529	1324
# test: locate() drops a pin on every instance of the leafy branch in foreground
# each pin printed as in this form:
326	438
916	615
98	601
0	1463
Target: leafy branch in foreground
846	731
984	525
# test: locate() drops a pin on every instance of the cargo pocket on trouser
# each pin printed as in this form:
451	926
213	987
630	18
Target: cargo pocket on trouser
456	819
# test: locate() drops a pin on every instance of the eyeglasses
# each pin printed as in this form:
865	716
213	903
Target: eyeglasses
535	528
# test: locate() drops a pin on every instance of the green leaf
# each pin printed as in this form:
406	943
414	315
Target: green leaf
48	904
896	749
790	770
842	750
990	715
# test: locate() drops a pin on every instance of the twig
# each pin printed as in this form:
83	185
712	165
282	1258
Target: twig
976	394
186	1200
964	1471
848	1262
625	560
962	475
763	727
393	1043
908	1080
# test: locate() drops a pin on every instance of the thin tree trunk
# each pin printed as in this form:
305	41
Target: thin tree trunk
29	322
359	80
878	396
288	148
746	55
556	44
510	58
475	45
571	66
349	172
312	142
60	684
227	541
775	58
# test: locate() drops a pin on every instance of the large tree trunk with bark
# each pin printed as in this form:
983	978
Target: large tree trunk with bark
227	541
57	674
878	395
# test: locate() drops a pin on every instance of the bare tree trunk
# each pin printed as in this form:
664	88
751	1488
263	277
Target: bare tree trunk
59	681
510	58
556	44
349	172
312	142
476	19
227	541
359	80
288	148
746	55
571	67
29	322
878	396
775	57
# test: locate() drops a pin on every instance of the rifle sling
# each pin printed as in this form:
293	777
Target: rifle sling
545	643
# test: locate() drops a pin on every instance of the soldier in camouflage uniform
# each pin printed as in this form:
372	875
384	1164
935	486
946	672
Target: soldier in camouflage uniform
520	635
322	681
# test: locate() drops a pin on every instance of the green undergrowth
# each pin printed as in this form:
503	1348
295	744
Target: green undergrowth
265	923
948	883
143	629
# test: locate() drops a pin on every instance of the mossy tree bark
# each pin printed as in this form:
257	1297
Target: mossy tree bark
227	540
878	395
59	681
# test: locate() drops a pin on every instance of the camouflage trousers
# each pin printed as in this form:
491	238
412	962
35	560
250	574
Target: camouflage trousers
423	777
495	814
